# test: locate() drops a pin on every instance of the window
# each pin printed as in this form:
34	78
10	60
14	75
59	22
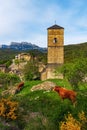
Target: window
55	40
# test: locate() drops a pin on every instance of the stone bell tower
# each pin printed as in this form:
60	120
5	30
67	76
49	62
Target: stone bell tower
55	55
55	45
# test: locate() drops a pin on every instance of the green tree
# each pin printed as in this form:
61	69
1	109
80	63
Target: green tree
31	70
75	72
8	79
17	62
8	63
41	56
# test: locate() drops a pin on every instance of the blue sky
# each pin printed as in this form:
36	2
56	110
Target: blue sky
28	20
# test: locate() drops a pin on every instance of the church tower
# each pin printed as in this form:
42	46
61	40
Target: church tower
55	55
55	45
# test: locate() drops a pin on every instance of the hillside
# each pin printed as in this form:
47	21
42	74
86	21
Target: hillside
9	54
72	52
44	110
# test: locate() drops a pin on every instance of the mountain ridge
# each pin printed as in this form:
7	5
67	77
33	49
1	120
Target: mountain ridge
22	46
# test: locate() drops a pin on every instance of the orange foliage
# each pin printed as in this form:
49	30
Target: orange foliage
8	109
72	124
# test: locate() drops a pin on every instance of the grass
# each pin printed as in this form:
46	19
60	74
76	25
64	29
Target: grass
40	110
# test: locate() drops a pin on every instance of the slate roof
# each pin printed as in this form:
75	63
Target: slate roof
55	27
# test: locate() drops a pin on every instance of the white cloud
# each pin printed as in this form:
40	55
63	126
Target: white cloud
76	37
12	14
27	20
38	39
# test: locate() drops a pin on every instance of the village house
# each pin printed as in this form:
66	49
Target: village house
23	56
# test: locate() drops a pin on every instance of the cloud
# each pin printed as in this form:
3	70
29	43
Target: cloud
39	39
75	37
12	14
29	19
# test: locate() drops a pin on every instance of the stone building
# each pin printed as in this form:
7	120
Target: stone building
55	56
23	56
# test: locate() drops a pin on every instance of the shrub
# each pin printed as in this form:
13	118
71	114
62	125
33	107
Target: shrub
8	79
83	120
72	124
31	70
8	109
75	72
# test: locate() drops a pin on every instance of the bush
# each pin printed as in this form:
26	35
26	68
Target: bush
8	109
8	79
72	124
75	72
31	70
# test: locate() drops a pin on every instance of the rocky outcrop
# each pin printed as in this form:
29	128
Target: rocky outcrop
13	89
10	90
47	85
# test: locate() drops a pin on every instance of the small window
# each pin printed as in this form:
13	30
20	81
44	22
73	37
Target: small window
55	40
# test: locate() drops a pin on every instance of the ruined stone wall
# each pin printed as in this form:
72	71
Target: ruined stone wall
49	73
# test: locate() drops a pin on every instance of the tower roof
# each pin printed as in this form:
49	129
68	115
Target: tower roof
55	27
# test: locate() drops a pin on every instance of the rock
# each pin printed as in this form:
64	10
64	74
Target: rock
11	90
47	85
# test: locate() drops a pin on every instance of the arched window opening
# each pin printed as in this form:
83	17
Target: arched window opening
55	40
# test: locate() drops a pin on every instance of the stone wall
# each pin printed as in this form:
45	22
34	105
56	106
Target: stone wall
49	73
55	55
59	34
55	50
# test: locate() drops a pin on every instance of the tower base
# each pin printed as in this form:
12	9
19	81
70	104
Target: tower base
49	72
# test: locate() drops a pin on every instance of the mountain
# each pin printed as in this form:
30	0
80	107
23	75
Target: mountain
22	46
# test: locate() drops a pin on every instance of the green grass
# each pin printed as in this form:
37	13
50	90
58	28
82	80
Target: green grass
28	85
40	110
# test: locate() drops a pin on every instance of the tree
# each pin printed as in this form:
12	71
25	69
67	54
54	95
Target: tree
8	79
17	62
8	63
75	72
31	70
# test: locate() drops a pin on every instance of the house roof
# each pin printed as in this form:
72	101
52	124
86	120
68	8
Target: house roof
55	27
